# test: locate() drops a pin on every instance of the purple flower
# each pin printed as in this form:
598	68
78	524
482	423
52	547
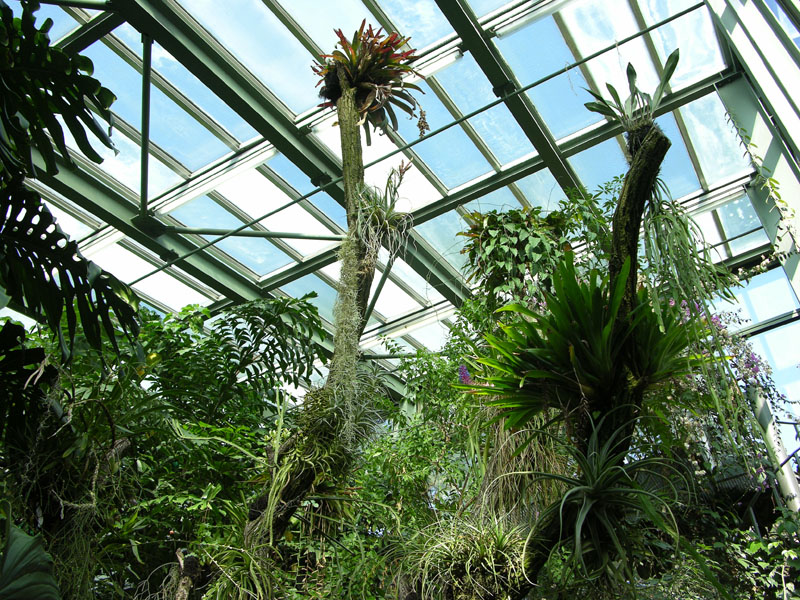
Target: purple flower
463	375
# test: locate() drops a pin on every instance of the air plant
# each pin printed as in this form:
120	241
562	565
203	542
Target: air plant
636	114
379	222
373	64
607	504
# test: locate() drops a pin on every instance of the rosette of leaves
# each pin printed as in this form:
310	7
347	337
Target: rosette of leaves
637	112
41	269
373	64
577	353
607	505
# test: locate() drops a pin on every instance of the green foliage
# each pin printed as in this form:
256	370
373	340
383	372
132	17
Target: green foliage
372	64
250	350
112	486
470	559
606	506
39	82
26	570
637	112
41	269
677	259
512	254
770	565
574	354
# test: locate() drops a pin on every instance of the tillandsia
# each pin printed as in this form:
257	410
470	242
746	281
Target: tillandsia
373	64
636	114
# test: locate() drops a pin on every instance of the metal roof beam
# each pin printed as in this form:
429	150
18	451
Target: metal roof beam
214	66
592	137
503	82
90	194
87	34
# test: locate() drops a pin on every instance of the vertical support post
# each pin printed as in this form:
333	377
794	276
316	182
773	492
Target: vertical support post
147	58
777	163
378	289
787	480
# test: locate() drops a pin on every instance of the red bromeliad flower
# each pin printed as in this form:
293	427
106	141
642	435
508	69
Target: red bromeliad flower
373	64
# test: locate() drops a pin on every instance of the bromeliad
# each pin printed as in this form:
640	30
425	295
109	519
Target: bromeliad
373	64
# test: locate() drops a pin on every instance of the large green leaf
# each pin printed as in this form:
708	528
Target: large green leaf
42	270
560	358
39	82
26	570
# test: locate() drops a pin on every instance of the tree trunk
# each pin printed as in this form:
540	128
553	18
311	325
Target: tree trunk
355	282
188	577
637	188
621	406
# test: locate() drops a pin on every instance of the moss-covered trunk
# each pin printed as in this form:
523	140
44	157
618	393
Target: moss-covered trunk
298	459
620	406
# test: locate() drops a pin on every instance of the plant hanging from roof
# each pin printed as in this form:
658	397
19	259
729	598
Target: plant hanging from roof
636	114
373	64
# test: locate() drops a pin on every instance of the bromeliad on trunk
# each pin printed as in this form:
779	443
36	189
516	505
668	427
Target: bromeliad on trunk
373	64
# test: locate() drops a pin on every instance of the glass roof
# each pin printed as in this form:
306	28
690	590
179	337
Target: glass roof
234	108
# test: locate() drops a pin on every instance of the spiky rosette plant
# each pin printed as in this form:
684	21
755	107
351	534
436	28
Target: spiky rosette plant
373	64
637	113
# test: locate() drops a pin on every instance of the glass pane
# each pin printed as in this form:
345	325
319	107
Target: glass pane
170	126
677	170
124	165
289	172
785	21
765	296
257	254
737	218
594	25
162	287
192	88
63	23
484	7
501	200
415	191
256	195
326	295
413	279
432	336
451	155
541	189
441	233
466	84
287	72
715	140
319	19
120	78
75	229
559	100
422	20
693	33
778	347
599	164
392	302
